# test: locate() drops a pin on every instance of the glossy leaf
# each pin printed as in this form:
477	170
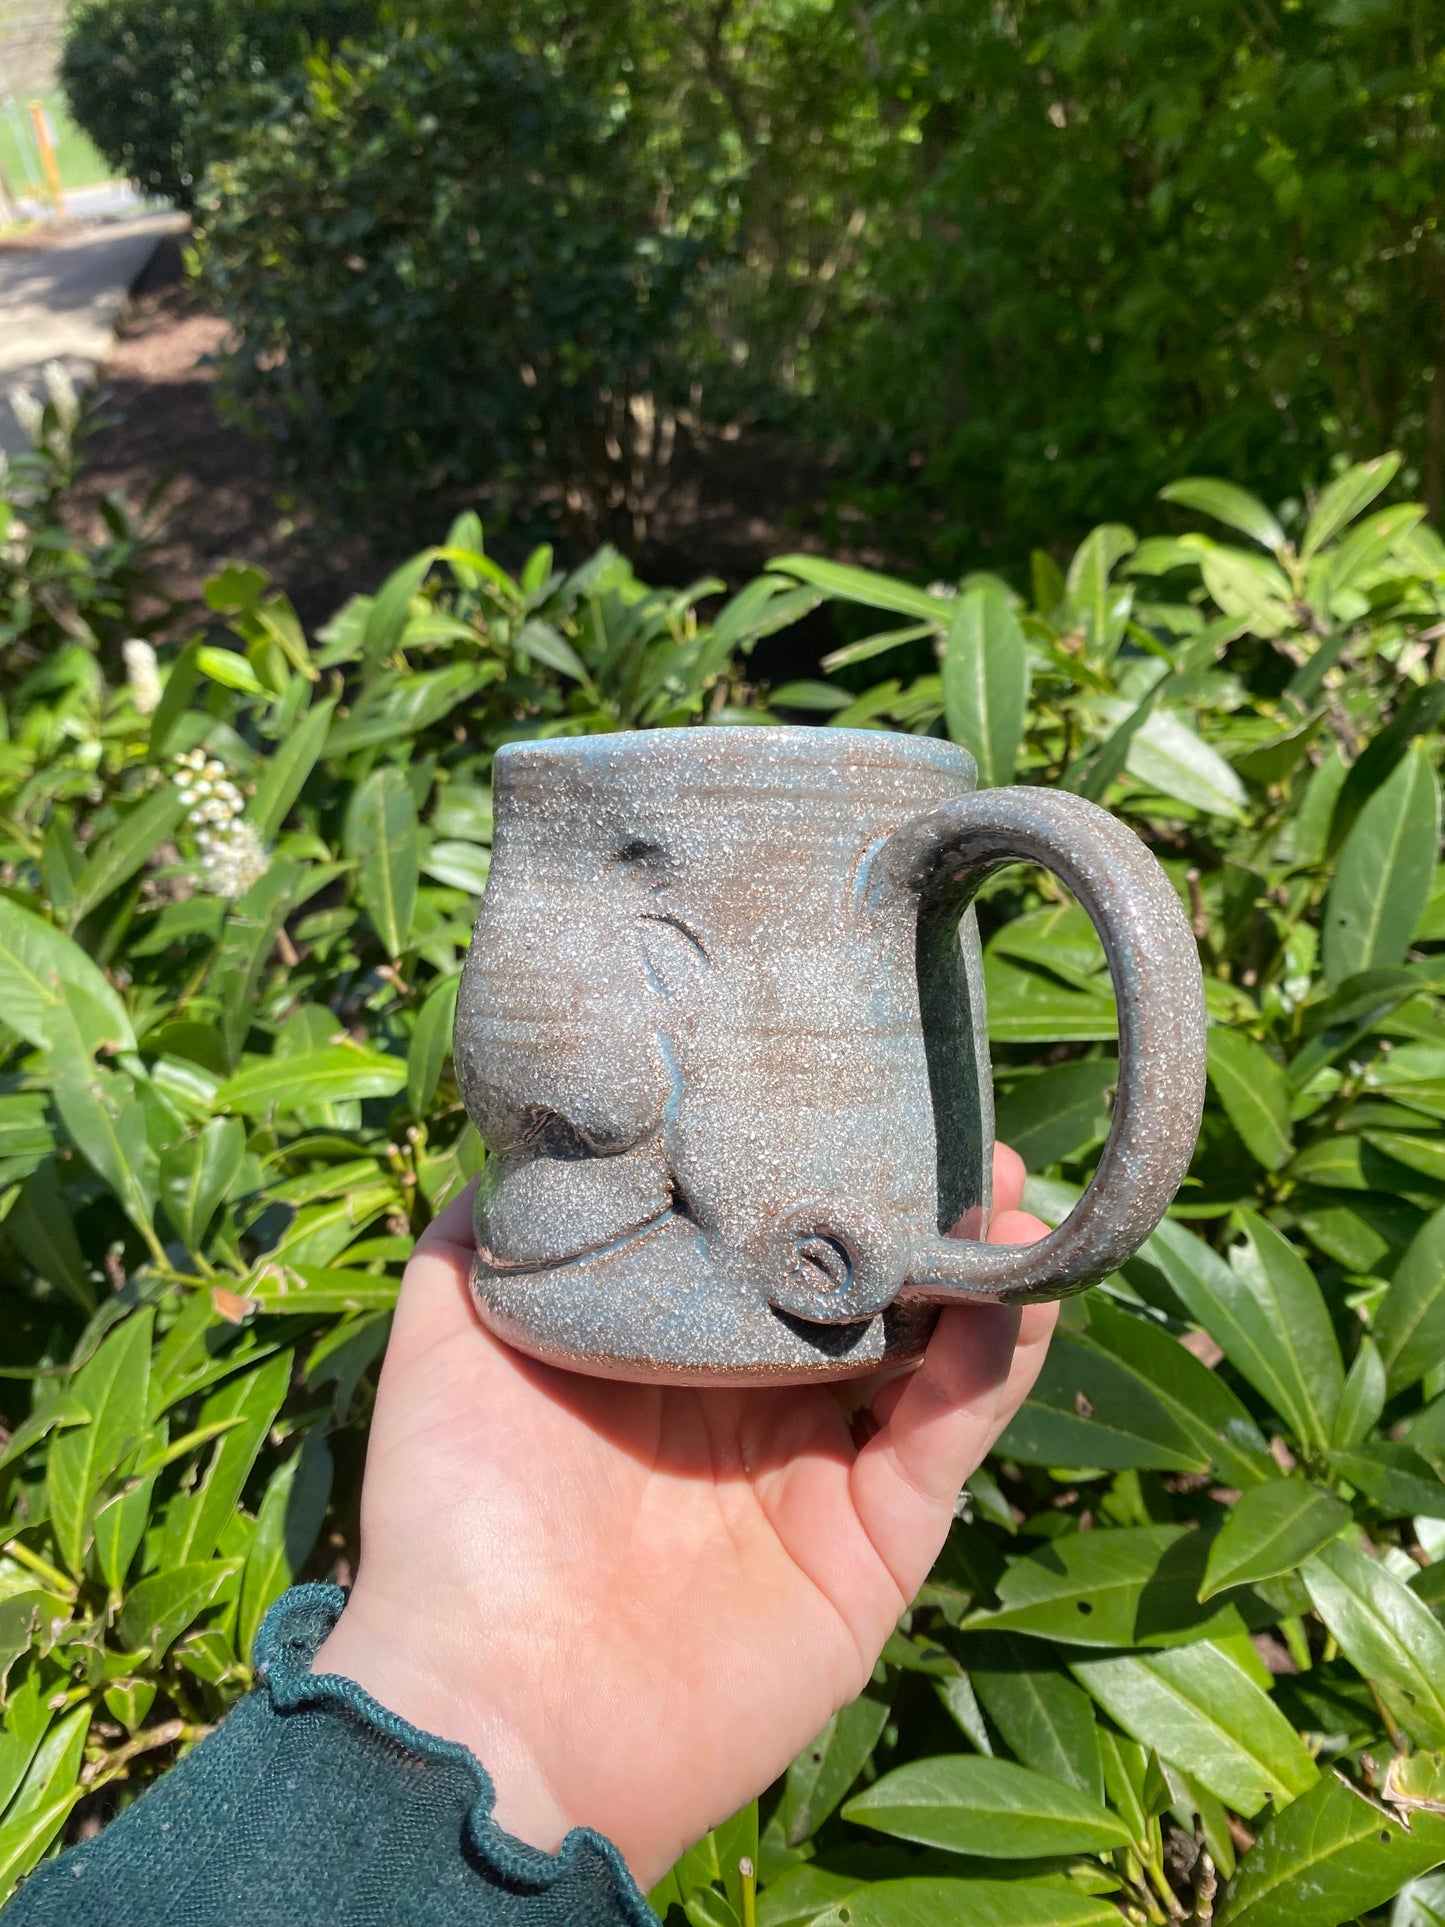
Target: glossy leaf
1229	504
1134	1585
1410	1322
328	1076
1086	1408
51	991
197	1173
989	1808
117	856
1045	1719
431	1044
106	1121
986	682
1271	1529
1272	1322
287	769
1387	1632
382	839
1385	871
1331	1856
113	1388
1255	1094
874	591
1394	1475
1363	1398
44	1801
824	1771
287	1523
979	1903
1345	498
159	1609
1059	1112
1195	1705
196	1519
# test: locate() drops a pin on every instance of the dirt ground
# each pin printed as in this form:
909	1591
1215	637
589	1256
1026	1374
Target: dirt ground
729	507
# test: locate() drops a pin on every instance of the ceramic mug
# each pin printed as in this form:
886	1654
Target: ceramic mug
722	1031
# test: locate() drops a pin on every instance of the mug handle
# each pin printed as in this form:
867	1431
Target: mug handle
1159	988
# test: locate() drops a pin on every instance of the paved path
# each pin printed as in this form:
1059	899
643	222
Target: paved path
60	301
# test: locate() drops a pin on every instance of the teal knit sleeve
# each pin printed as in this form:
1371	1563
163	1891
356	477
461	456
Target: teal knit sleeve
312	1806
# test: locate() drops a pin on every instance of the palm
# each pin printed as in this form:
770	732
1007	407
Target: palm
659	1594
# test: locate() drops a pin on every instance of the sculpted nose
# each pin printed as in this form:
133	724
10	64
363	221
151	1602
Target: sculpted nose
832	1264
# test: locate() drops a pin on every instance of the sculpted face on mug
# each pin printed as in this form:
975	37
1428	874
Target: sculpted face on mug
690	1034
722	1030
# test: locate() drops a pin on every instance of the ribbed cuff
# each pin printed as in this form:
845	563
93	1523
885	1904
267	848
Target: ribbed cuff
291	1635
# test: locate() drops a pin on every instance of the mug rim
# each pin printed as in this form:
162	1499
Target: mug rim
806	743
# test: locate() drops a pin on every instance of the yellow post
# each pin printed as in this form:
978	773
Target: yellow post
40	121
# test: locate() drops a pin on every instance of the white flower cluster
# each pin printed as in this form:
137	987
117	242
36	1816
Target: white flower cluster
142	675
30	410
232	854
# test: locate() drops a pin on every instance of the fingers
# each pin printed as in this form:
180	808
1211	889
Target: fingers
905	1481
452	1226
1008	1186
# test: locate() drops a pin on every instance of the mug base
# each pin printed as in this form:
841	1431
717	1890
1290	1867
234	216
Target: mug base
630	1314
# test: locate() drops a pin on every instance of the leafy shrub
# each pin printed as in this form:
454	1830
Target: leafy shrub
487	290
148	80
1183	1654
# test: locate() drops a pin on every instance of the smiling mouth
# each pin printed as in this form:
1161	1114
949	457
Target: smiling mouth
603	1248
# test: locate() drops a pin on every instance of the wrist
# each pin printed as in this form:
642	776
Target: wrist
453	1703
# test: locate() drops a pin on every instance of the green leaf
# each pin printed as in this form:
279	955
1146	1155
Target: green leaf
195	1520
544	644
115	858
1228	504
1126	1586
1195	1705
50	1790
1345	498
1169	756
1046	1720
1085	1408
1363	1398
52	993
1332	1856
431	1044
1425	1154
1203	1407
1266	1311
1271	1529
159	1609
114	1388
463	866
121	1520
991	1808
1385	871
1095	601
387	615
286	771
986	682
1410	1321
1255	1094
287	1523
968	1903
40	1228
1027	1007
229	668
59	1411
107	1124
1387	1632
1395	1476
382	839
26	1721
311	1077
402	706
196	1174
847	584
1058	1112
824	1771
314	1289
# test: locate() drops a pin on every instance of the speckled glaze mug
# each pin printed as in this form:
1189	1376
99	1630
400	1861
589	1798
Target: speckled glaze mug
722	1030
